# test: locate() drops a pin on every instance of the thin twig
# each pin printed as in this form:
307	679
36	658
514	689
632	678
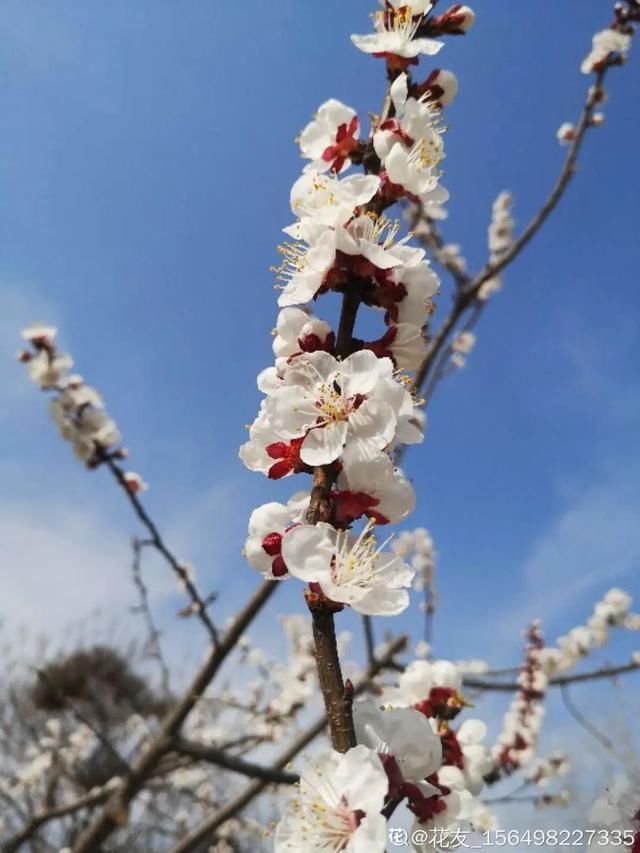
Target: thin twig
28	831
558	681
199	604
153	645
586	724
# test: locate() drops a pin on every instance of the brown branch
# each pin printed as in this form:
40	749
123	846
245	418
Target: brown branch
212	755
116	809
208	827
338	697
367	624
558	681
29	830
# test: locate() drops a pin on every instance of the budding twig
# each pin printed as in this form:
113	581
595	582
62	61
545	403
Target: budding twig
468	289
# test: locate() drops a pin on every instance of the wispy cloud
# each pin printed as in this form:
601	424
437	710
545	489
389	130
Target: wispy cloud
59	565
592	544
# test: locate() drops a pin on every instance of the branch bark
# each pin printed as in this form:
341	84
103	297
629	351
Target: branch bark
338	696
558	681
212	755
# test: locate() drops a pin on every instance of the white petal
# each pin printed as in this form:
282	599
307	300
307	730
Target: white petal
308	550
325	444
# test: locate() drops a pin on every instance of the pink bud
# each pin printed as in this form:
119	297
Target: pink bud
566	133
134	482
442	85
465	18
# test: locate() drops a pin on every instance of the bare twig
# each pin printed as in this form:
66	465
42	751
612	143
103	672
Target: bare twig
86	801
154	647
199	604
29	830
586	724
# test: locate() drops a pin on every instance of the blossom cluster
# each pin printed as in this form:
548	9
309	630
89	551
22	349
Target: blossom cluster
542	770
522	723
77	409
419	544
434	689
521	728
334	403
612	611
407	752
609	47
290	686
499	239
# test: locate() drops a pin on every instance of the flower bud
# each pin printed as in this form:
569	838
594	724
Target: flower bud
566	133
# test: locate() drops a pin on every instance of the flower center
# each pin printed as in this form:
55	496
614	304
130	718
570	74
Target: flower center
332	406
357	564
294	260
425	154
372	228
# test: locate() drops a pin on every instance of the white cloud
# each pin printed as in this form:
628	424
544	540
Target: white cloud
591	545
595	539
59	565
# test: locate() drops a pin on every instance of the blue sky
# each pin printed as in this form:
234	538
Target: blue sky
147	158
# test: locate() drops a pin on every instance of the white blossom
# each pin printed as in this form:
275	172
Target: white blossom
330	137
267	525
348	569
332	404
605	43
403	733
395	34
337	807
